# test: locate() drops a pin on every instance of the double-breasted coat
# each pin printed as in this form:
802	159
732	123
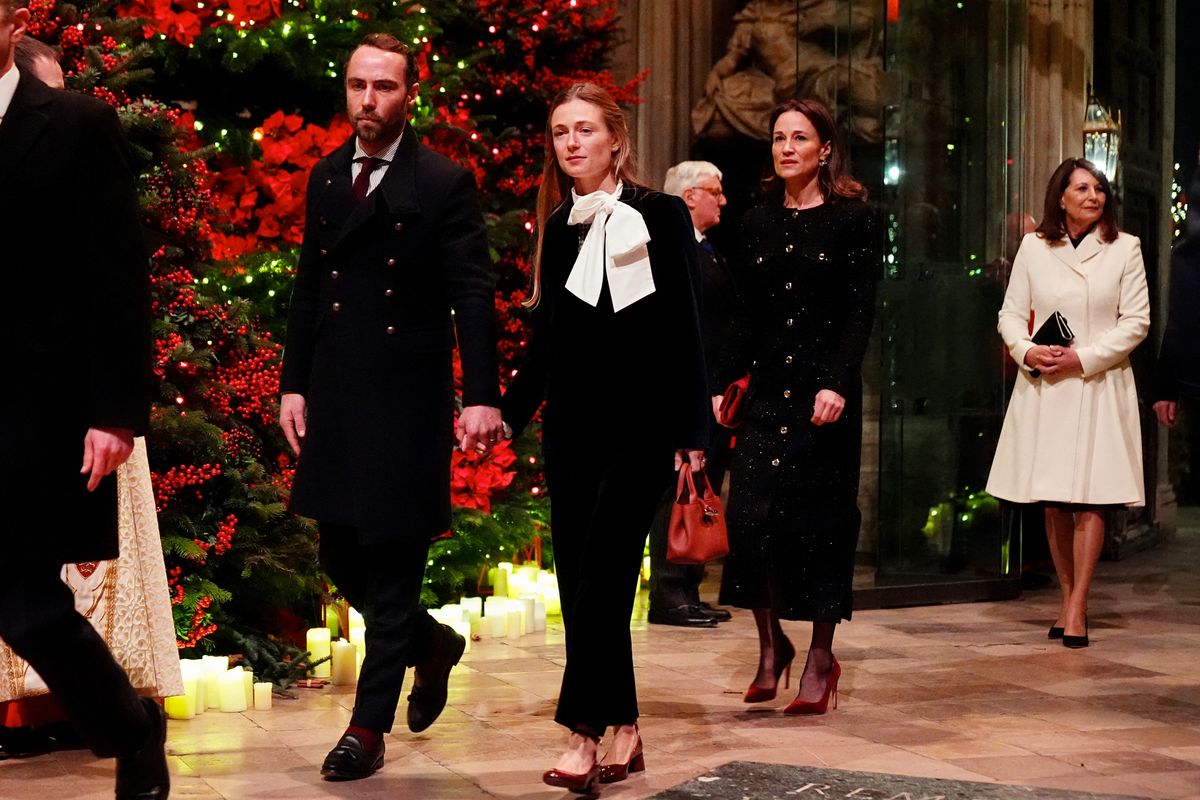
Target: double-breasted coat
381	289
1075	438
75	337
809	279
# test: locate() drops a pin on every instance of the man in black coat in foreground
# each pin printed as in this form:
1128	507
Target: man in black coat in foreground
394	262
76	341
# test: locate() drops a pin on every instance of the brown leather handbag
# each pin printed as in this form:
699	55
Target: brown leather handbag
697	531
729	413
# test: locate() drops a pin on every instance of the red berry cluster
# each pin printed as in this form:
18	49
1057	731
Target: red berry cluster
253	380
200	626
174	480
225	533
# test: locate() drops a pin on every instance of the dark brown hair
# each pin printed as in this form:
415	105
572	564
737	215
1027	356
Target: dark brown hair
556	184
1054	216
388	42
836	184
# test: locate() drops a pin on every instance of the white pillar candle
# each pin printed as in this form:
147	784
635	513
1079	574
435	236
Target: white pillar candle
332	621
214	668
496	616
539	614
463	629
262	696
233	691
317	641
516	621
248	686
529	607
500	584
345	663
184	705
553	603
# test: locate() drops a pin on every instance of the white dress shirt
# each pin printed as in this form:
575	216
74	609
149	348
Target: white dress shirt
386	155
8	87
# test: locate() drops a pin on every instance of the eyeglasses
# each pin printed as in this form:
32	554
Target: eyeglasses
717	193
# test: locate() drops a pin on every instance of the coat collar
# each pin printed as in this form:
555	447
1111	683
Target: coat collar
27	115
397	192
1076	257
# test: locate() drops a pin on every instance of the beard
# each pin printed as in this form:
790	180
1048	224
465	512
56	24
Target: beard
374	129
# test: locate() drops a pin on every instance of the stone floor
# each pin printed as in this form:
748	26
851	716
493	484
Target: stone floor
968	692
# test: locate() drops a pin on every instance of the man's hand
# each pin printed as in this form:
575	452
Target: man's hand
104	449
827	407
292	413
479	428
1165	411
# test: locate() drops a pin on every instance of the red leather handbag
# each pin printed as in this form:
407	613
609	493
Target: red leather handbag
730	412
697	531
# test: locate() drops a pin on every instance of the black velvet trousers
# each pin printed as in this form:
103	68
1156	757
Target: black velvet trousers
601	505
382	581
39	622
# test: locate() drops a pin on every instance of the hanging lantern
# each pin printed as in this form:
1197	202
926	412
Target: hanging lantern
1101	137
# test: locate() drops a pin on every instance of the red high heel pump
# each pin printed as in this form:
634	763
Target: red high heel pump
799	707
783	669
612	773
579	783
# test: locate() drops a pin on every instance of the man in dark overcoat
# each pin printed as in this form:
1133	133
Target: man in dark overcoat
75	340
675	588
394	261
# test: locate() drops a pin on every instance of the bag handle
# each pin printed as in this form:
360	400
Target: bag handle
686	488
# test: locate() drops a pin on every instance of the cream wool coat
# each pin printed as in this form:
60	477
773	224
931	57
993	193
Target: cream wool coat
1075	439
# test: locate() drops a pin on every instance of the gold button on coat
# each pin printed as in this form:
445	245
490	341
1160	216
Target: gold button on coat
399	226
391	262
787	393
388	292
336	306
774	462
391	329
783	429
335	274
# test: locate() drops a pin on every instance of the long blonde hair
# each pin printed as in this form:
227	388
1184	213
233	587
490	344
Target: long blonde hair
556	184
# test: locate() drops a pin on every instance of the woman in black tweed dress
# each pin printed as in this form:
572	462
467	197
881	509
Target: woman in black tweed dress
809	261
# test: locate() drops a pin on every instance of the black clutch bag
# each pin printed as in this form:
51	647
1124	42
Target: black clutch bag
1055	332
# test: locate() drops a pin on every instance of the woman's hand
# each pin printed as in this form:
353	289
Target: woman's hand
1054	360
717	399
827	407
695	459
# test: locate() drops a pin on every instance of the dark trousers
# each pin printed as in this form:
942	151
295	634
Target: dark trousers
383	582
674	585
39	622
601	506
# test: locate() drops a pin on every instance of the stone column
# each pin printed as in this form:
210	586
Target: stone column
673	40
1058	70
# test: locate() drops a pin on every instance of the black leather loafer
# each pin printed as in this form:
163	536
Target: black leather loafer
719	614
682	616
431	679
143	775
350	760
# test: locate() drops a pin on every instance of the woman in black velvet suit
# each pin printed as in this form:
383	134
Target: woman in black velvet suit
615	353
808	268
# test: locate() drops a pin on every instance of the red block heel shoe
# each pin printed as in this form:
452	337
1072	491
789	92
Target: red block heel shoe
783	670
579	784
799	707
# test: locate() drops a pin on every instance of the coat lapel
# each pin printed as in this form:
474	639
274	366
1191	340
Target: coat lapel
1089	247
397	192
27	116
1065	253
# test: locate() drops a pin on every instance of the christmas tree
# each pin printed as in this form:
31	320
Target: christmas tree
227	105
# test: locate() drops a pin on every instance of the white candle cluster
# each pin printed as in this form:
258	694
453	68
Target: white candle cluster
210	684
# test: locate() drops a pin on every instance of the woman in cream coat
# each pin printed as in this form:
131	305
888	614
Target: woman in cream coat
1071	439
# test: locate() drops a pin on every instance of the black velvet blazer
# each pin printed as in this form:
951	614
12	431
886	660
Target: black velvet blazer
612	378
